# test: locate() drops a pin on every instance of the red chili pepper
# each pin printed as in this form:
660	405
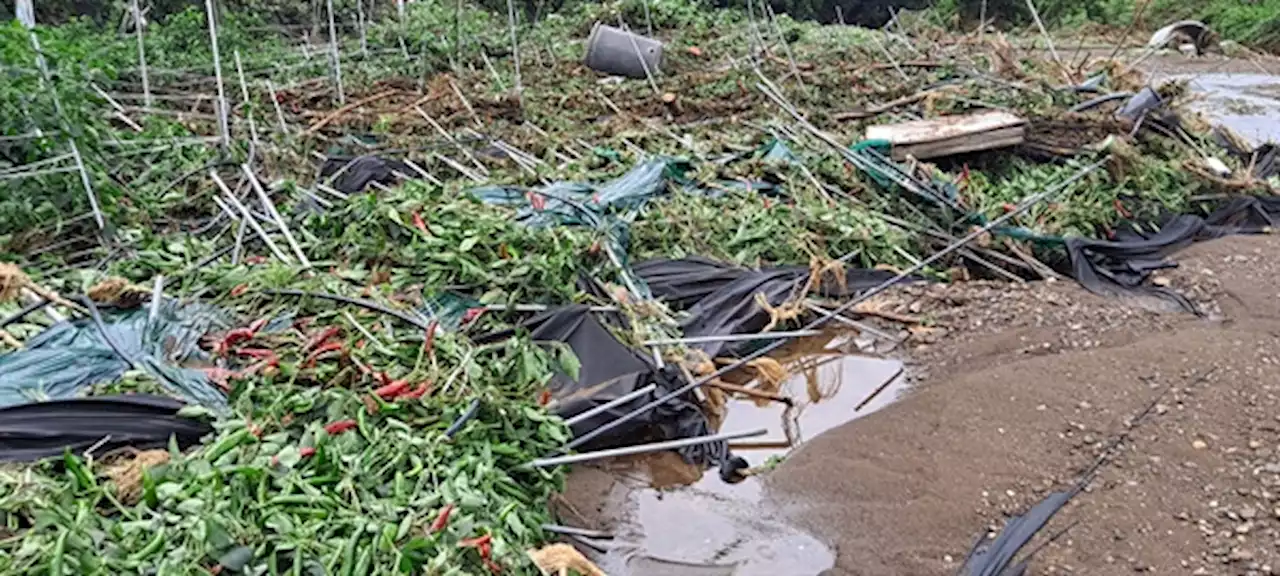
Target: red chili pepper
382	378
392	390
429	344
538	201
544	397
471	314
1007	207
255	260
767	203
442	520
477	542
492	566
237	336
1121	210
322	337
419	223
307	452
256	352
418	392
239	290
330	347
335	428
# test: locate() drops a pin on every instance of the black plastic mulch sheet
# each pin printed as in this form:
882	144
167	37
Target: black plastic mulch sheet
720	298
355	174
1120	266
609	370
45	429
996	557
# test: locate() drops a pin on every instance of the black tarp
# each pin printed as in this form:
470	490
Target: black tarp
609	370
1122	265
45	429
354	174
996	557
720	298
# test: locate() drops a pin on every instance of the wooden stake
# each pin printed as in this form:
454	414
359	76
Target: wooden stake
334	55
223	128
142	53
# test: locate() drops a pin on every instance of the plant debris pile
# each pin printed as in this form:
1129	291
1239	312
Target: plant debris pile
370	205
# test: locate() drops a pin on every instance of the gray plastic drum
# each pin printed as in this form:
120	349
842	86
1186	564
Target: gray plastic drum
620	53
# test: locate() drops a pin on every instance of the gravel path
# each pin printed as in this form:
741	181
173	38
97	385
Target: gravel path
1021	388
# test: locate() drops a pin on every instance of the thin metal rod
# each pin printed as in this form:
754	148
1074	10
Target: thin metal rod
881	388
1023	206
35	173
648	74
574	531
1048	40
610	404
366	304
364	40
142	53
863	326
244	97
515	43
541	308
644	448
46	81
22	168
223	128
731	338
275	101
275	215
88	188
334	56
246	216
239	246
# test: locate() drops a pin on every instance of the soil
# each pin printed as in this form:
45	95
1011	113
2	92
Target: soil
1021	388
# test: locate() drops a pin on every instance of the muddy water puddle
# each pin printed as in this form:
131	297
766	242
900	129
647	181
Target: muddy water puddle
1248	104
708	527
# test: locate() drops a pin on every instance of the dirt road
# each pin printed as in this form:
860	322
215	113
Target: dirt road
1024	392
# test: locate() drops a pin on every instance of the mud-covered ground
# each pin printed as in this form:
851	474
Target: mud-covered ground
1026	387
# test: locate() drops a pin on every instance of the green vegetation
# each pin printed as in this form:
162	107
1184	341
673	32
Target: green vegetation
271	491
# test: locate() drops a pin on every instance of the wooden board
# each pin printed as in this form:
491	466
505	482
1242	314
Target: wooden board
951	135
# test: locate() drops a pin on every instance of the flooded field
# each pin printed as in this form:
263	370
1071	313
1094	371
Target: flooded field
668	521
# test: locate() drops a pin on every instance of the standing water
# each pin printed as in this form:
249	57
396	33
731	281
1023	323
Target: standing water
713	528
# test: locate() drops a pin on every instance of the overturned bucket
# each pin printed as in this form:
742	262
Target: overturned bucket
621	53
